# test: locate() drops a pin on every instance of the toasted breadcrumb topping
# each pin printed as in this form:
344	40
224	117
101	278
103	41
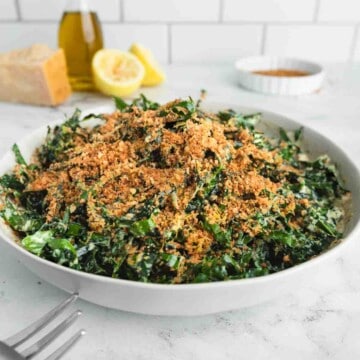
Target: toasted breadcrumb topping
119	175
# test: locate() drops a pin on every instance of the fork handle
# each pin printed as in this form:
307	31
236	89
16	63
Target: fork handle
8	353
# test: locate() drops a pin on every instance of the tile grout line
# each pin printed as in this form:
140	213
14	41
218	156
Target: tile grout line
221	11
263	40
169	42
122	12
12	21
316	11
200	23
17	6
353	44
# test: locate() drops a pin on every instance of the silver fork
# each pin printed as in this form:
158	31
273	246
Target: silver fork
8	347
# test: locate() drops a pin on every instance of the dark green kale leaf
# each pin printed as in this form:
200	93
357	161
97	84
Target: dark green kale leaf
18	156
142	102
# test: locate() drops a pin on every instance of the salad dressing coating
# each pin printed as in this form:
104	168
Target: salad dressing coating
173	194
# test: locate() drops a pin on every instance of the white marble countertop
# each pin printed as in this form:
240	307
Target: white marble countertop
321	320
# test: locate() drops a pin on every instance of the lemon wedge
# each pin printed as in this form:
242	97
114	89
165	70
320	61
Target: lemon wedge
117	72
153	73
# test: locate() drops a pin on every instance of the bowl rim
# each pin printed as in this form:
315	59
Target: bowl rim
240	66
329	253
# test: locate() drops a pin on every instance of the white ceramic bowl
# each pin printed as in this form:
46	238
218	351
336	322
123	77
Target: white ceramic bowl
189	299
279	85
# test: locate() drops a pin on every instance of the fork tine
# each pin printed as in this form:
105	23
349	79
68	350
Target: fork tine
48	338
23	335
66	346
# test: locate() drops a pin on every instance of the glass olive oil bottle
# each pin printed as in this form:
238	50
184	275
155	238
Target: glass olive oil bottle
80	36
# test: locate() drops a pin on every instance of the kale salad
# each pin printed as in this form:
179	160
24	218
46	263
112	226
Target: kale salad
173	194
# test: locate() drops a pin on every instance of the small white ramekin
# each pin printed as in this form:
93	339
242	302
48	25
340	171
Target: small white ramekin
279	85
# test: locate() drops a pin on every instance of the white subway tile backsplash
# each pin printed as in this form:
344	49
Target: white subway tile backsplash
171	10
41	10
269	10
23	35
339	10
214	43
8	10
108	10
320	43
121	36
200	31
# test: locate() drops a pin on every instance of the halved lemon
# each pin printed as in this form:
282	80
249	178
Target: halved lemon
117	72
153	73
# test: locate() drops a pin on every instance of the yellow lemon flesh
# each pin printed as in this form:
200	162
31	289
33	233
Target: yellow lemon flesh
117	72
153	74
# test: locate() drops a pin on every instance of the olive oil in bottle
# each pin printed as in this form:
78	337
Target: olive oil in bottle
80	36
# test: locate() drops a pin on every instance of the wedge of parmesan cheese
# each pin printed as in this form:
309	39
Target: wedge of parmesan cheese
36	75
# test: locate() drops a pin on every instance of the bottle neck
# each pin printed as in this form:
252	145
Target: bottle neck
78	5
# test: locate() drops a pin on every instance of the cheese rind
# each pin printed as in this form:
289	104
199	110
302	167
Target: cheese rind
36	75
